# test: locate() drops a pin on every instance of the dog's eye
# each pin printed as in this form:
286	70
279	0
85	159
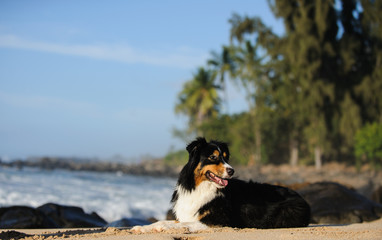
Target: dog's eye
213	158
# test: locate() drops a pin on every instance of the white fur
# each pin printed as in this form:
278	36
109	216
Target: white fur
188	203
170	225
225	174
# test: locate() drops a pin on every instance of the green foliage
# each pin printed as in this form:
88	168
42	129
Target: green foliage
368	144
309	91
176	158
234	130
238	131
199	99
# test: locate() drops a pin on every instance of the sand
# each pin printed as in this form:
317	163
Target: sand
368	230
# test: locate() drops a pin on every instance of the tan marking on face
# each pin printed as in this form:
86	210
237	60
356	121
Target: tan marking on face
198	177
224	154
200	173
216	153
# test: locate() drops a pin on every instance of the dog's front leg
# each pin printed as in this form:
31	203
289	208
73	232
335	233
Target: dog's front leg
162	226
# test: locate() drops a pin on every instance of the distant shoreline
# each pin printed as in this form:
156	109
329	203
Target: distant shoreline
155	168
366	181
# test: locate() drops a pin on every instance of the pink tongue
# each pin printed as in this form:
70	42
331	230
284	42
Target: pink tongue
221	181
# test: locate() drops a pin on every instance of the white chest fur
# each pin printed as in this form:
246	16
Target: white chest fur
188	203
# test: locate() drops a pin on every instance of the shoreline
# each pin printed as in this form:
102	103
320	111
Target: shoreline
306	181
366	230
154	168
366	181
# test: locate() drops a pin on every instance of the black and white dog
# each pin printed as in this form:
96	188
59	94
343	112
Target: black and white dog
206	195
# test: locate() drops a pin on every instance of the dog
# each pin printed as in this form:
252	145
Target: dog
206	195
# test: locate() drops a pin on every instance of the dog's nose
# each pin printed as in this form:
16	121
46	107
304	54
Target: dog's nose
230	171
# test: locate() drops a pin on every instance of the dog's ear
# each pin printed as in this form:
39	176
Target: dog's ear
200	141
186	177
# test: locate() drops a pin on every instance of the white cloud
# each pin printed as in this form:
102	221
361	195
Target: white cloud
49	103
121	53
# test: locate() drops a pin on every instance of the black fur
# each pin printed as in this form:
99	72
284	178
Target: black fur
244	204
256	205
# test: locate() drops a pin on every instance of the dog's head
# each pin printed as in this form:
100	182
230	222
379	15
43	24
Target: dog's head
208	161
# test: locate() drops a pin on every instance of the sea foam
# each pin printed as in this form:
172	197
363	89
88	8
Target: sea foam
111	195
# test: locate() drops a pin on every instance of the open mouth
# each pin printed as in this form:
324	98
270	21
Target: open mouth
218	180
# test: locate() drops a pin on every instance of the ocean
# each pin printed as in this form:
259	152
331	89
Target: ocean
111	195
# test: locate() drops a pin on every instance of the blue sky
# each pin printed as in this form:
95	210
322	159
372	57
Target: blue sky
100	78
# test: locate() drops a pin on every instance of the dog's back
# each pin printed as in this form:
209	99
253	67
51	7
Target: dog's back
266	206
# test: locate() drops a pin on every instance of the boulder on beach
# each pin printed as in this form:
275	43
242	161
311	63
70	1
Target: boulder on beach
333	203
70	216
377	195
49	215
24	217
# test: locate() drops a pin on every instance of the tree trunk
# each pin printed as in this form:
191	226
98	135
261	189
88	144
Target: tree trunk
258	144
293	152
256	156
251	161
317	157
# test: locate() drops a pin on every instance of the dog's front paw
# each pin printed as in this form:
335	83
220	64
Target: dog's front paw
138	229
155	227
178	227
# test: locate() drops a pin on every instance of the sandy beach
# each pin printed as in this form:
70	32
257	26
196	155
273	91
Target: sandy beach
366	230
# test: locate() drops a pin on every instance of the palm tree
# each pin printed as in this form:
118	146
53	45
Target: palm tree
222	64
199	99
249	72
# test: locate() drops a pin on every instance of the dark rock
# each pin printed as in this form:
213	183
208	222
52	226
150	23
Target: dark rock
48	216
24	217
70	216
332	203
376	196
12	235
128	222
